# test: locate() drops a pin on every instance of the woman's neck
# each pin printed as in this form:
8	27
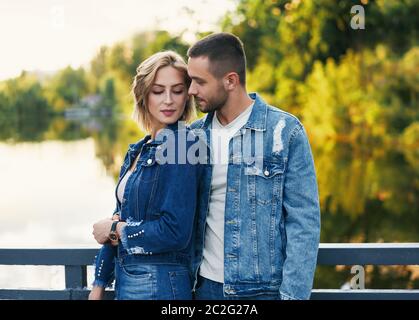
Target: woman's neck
155	130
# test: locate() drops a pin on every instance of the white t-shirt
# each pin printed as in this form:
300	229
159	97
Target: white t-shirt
212	266
121	186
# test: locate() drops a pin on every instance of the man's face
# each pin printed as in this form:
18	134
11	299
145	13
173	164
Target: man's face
208	91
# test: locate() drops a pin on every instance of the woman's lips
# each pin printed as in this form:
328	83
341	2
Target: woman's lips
168	113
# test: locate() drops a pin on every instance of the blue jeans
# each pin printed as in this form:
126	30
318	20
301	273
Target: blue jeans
207	289
152	282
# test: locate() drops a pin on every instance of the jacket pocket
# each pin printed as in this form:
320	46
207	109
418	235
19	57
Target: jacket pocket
149	170
264	181
137	271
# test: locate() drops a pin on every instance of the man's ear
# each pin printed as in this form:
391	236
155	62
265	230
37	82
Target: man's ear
231	81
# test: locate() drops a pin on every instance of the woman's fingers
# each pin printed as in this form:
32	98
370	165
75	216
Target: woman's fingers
101	230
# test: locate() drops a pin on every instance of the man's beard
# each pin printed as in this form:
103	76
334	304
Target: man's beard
214	104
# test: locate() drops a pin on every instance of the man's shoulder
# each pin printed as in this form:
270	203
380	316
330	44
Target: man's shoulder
279	117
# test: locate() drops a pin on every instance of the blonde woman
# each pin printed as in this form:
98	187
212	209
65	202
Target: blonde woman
147	245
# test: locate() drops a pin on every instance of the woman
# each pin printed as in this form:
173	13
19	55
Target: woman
147	244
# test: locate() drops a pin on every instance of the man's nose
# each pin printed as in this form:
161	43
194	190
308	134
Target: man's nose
192	91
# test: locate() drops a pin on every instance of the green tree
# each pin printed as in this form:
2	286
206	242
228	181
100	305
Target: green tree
284	38
108	94
67	87
24	110
98	67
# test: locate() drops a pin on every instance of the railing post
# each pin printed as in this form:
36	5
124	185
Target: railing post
75	277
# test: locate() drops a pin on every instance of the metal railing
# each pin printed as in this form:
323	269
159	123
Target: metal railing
76	261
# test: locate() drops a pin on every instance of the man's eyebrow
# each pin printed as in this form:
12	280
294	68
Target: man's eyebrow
198	79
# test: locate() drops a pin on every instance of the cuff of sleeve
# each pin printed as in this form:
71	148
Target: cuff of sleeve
123	237
285	296
101	283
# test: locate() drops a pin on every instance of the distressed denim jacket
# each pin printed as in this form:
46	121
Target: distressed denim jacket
272	214
159	204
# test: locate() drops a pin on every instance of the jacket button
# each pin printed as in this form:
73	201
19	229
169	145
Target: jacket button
266	173
149	161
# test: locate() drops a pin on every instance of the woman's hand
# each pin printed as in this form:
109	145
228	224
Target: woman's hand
96	293
101	230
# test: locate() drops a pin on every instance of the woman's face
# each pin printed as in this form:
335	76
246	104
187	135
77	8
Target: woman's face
167	98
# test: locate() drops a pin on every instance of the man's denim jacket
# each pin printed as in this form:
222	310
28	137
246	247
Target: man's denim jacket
159	204
272	214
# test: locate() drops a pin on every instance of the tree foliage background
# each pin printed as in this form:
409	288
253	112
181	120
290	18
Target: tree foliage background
355	90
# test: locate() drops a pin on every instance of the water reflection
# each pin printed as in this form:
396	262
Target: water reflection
368	194
57	180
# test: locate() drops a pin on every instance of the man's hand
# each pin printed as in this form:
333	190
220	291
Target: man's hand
101	230
96	293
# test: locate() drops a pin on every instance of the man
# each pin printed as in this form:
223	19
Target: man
257	237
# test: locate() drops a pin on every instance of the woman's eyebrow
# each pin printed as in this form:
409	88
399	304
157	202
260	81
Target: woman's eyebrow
177	84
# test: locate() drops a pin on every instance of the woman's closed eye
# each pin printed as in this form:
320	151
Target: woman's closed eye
175	92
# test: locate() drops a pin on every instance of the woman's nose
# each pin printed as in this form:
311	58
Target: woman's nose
168	98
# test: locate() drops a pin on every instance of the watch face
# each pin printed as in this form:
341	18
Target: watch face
113	236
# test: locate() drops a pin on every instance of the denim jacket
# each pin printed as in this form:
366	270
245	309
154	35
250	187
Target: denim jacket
272	214
159	204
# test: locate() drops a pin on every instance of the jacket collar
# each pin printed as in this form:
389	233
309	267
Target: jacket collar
257	119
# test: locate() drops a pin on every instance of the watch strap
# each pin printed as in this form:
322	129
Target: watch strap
113	227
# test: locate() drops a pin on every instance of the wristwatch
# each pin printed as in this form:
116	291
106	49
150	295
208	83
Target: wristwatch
113	235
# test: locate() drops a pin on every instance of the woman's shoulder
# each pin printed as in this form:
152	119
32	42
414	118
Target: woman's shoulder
132	147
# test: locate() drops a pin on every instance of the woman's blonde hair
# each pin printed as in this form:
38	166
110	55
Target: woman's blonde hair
144	79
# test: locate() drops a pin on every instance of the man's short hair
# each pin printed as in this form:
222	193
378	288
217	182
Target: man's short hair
225	53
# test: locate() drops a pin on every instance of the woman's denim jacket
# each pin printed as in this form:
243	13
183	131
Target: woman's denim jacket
159	203
272	213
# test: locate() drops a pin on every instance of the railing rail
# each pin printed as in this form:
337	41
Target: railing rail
76	261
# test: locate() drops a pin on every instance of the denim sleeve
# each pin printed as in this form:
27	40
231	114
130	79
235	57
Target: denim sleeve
172	231
104	266
302	219
104	262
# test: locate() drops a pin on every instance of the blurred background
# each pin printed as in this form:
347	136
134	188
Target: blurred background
66	70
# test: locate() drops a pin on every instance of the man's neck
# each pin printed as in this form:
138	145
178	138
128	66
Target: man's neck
235	105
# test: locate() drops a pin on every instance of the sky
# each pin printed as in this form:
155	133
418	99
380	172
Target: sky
47	35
